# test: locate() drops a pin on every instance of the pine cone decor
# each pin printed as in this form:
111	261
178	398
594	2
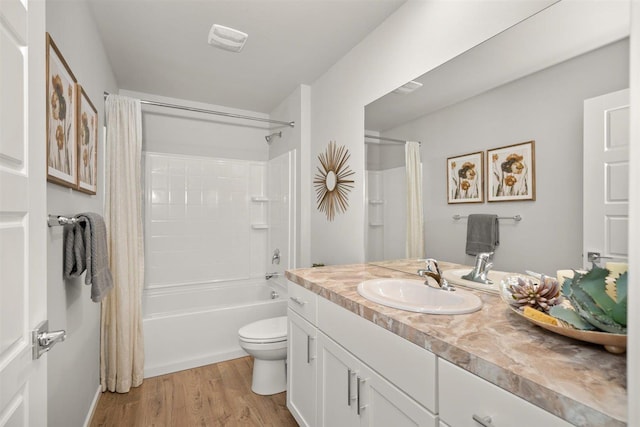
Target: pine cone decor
541	296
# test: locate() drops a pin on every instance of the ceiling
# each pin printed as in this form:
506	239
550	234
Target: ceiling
570	29
160	46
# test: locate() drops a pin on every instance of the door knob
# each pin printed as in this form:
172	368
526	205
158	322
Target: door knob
595	257
43	340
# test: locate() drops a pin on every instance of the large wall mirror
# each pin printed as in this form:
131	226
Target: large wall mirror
527	83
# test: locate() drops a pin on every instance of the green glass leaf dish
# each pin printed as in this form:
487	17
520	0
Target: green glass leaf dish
613	343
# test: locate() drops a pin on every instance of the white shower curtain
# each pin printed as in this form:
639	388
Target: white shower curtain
415	228
121	339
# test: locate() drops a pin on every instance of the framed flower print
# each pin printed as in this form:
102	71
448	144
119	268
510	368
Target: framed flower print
87	143
512	173
61	119
465	178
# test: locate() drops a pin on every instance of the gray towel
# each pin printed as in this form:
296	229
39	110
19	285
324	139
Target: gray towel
483	233
85	248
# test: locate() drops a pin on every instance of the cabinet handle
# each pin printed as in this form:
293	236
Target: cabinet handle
358	396
359	407
298	301
308	349
350	397
483	421
349	387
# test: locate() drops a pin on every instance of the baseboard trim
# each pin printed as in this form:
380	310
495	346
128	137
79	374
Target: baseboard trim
94	405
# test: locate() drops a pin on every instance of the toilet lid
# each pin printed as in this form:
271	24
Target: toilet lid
269	330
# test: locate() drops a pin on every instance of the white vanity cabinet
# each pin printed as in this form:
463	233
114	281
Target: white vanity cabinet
368	376
350	393
464	395
344	370
301	351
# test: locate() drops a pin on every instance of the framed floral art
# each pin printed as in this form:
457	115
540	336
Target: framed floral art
87	143
465	178
512	172
61	119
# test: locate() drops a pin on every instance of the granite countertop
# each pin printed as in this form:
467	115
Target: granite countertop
579	382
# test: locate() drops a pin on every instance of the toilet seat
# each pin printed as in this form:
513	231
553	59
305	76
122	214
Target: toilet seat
265	331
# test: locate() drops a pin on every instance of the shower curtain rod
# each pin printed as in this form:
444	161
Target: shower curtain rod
217	113
383	138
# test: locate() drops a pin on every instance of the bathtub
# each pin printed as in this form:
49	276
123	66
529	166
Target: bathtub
188	326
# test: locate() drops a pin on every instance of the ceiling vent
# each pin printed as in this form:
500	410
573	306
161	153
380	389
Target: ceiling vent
227	38
408	87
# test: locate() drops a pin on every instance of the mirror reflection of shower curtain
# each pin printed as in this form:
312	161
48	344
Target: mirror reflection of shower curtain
415	227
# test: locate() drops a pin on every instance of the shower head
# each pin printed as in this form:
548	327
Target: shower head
268	138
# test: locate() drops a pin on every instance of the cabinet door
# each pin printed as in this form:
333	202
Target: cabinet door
337	381
383	404
301	370
464	396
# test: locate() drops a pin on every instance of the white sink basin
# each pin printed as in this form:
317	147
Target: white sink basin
455	278
414	295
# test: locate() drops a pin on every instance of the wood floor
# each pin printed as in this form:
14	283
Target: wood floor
213	395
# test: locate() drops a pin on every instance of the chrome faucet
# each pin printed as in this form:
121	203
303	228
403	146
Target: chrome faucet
432	269
270	275
481	269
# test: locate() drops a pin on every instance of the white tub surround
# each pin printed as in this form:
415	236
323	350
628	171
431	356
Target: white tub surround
199	213
211	226
386	212
195	325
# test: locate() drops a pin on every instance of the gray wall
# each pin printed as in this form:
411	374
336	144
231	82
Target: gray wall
384	156
73	366
546	107
175	131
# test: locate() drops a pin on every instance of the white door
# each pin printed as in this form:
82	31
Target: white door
23	381
606	177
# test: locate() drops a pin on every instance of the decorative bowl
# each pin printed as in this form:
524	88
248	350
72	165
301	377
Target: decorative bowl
613	343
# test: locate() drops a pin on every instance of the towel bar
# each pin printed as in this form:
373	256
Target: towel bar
54	220
515	217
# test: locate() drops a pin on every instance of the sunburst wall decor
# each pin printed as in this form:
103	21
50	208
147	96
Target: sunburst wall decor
331	183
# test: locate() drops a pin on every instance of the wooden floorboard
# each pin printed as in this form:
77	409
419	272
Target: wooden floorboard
212	395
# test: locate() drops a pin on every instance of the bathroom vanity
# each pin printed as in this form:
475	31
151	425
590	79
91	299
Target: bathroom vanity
354	362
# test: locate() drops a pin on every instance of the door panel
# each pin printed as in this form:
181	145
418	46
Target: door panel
386	405
336	385
301	370
606	176
22	211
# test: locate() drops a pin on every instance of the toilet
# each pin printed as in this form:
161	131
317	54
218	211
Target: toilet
266	341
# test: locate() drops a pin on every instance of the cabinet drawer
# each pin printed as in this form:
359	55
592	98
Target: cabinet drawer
463	395
303	301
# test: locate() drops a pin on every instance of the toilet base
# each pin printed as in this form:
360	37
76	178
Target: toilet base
269	376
